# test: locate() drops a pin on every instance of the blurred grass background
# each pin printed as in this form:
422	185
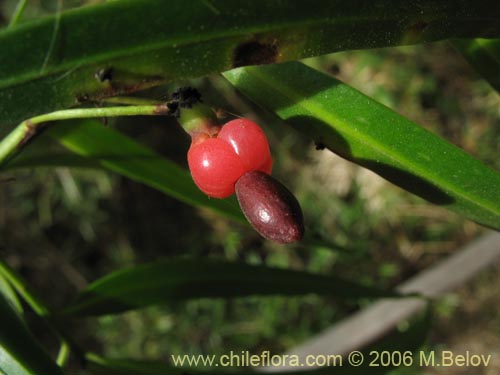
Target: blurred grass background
62	228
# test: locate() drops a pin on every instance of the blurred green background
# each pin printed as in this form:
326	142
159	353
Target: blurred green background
62	228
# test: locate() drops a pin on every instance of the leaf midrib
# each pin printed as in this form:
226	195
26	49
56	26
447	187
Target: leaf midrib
335	284
193	38
319	112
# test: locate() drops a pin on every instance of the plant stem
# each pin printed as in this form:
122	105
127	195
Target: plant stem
18	12
18	137
131	100
199	117
63	355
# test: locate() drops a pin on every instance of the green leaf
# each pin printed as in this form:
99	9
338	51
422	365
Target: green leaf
360	129
179	279
113	366
20	353
108	148
484	56
127	45
9	294
408	340
44	151
50	159
107	366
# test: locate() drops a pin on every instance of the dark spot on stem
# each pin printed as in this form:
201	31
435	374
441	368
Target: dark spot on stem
255	53
334	69
164	108
186	97
28	134
82	98
183	97
319	145
173	108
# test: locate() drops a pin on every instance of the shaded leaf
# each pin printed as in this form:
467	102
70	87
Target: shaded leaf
9	294
44	151
124	46
362	130
106	366
108	148
20	353
179	279
50	159
411	339
484	56
124	366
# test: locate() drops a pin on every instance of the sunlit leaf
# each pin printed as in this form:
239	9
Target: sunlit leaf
360	129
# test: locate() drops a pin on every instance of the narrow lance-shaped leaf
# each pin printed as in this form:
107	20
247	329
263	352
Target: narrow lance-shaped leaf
358	128
406	341
128	45
484	56
178	279
20	353
9	294
107	366
108	148
57	158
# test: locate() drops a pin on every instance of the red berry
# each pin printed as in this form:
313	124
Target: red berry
218	160
198	137
215	167
249	142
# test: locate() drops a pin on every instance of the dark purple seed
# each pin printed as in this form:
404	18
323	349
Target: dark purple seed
270	207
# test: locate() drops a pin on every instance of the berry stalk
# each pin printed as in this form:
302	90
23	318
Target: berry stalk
26	130
195	117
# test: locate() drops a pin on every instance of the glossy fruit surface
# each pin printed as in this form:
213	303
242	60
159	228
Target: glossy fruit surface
215	167
249	142
217	162
270	207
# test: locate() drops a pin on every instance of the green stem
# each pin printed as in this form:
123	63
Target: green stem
18	12
18	137
63	355
198	118
131	100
